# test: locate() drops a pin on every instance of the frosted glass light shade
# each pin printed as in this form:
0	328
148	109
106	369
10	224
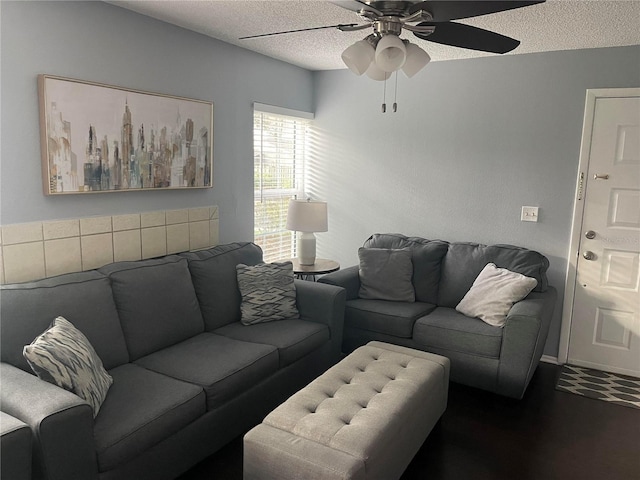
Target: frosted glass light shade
307	216
390	53
358	56
417	59
374	73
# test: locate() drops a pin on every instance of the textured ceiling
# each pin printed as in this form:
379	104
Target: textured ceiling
553	25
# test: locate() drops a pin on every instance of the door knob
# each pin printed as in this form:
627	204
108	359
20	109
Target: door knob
590	234
589	255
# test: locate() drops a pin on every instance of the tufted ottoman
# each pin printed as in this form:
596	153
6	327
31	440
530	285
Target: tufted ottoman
364	418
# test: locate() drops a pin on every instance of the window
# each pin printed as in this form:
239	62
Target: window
281	139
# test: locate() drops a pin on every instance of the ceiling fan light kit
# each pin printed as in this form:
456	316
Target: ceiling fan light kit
390	54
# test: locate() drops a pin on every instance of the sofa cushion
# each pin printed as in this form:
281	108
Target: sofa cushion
63	356
464	262
214	278
385	274
293	338
142	409
426	257
156	302
85	299
224	367
268	292
391	318
446	329
493	294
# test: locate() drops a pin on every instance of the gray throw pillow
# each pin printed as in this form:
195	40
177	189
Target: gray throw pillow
62	355
268	292
385	274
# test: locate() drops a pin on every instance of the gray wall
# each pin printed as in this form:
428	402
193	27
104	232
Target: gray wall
99	42
472	142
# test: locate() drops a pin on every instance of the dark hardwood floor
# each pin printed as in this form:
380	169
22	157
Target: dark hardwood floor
545	436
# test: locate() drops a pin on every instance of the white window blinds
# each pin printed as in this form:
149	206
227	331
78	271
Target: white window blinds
281	140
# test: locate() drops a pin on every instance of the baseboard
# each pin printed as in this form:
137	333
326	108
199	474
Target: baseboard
549	359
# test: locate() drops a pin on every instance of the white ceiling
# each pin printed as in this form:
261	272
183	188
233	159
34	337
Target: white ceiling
553	25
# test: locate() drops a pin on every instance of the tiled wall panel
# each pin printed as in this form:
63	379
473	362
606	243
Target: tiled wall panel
31	251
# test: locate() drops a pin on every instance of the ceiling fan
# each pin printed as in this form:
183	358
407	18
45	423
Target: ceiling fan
383	51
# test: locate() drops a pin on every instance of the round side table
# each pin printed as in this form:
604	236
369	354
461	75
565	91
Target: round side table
309	272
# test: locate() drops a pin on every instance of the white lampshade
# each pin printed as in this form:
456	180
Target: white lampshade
359	56
307	216
417	59
390	53
375	73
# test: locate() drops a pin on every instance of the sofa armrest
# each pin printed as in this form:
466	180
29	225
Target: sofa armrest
523	341
15	445
61	423
347	278
324	304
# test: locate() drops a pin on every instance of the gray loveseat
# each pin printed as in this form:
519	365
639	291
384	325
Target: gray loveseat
188	375
501	360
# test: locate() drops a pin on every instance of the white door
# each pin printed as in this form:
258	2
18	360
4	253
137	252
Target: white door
605	321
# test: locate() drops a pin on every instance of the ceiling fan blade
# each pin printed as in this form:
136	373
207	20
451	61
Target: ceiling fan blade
340	25
356	6
466	36
444	10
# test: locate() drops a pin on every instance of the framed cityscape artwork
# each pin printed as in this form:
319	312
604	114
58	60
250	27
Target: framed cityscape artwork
101	138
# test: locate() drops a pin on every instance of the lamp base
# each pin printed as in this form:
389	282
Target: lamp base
306	246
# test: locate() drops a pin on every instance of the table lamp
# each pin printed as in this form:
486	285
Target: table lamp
307	217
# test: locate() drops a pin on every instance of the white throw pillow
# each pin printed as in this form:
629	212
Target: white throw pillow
493	293
62	355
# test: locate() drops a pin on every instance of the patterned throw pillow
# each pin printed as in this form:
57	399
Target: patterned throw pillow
62	355
268	292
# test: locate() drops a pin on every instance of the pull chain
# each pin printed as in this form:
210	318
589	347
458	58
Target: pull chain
384	97
395	95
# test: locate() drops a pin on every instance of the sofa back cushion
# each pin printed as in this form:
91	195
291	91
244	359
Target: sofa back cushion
213	272
464	262
156	302
85	299
426	256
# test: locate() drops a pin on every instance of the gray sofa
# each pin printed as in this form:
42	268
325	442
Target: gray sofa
501	360
188	375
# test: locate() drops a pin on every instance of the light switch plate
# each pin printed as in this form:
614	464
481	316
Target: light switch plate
529	214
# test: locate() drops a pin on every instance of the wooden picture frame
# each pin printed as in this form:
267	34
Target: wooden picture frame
100	138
